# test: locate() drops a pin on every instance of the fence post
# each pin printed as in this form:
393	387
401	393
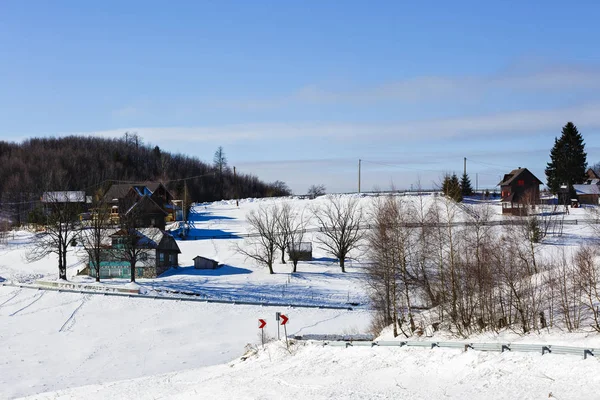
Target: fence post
505	347
546	349
587	352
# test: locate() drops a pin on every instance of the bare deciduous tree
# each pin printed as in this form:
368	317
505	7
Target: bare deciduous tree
262	241
588	281
61	228
285	219
292	226
94	236
316	191
134	244
340	222
389	275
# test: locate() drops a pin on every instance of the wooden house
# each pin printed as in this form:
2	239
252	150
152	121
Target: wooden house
589	191
156	203
520	191
158	252
205	263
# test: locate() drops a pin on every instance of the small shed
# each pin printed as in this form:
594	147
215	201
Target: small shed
205	263
303	250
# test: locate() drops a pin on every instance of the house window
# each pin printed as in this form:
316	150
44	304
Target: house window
521	182
161	257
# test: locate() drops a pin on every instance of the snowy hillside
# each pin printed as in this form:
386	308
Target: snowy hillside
55	341
311	371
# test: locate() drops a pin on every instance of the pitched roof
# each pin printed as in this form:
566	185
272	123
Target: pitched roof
512	175
119	190
145	201
587	189
591	174
152	238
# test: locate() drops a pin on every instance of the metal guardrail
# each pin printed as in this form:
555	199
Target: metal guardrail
179	298
496	347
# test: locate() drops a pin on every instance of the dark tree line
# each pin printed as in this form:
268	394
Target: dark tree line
90	163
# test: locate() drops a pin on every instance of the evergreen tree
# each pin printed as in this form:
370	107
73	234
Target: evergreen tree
568	160
465	185
451	187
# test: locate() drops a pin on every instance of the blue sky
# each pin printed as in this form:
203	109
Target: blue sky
299	91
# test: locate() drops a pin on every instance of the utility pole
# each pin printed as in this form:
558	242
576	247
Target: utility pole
476	181
237	204
465	172
359	175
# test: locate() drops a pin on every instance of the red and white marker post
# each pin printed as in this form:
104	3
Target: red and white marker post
284	321
261	325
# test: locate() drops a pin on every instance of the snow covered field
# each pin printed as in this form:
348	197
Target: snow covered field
54	341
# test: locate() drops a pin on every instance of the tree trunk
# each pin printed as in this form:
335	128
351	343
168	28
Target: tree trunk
62	262
283	255
97	269
270	265
132	271
342	261
295	262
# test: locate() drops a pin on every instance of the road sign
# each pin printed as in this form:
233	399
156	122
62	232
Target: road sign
261	323
284	319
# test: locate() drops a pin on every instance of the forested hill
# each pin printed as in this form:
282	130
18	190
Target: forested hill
88	163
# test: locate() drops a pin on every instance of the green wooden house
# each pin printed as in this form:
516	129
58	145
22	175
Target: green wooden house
155	252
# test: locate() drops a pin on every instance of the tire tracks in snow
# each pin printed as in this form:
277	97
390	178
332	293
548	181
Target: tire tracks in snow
17	292
28	305
70	322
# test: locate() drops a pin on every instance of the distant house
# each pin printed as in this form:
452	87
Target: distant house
75	201
205	263
520	190
589	191
159	253
151	202
64	197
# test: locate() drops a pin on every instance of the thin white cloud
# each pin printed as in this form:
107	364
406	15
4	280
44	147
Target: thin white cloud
424	89
477	126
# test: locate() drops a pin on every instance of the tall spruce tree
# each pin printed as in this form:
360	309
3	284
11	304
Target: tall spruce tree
568	160
451	187
465	185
